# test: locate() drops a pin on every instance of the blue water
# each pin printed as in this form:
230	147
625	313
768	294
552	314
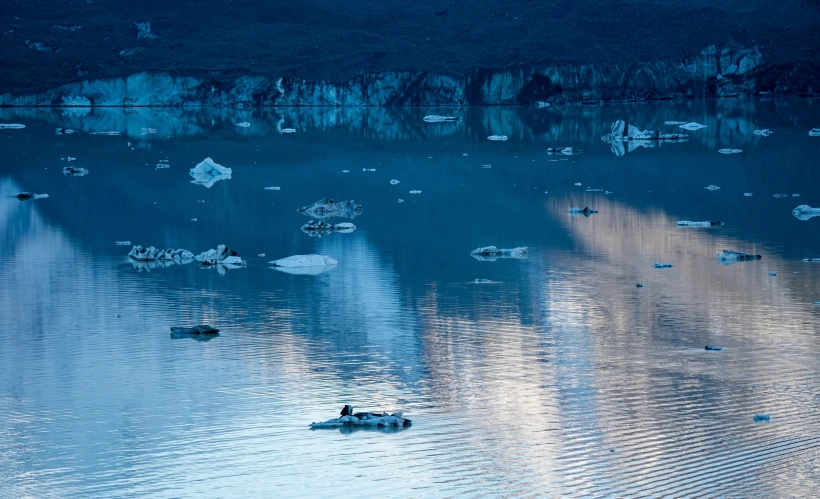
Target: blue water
523	386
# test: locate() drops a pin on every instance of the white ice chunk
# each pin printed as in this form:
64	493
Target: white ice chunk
434	118
395	182
305	264
220	256
273	188
814	132
692	126
146	131
712	188
207	173
763	133
730	151
747	194
497	137
415	192
675	122
491	253
122	243
288	130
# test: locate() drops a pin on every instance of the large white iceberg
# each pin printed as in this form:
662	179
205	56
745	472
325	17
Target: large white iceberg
805	212
208	172
222	255
327	208
491	253
305	264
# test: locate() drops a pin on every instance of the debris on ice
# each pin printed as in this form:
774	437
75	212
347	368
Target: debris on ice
207	173
327	208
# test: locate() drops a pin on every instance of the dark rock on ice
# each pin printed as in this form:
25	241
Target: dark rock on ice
372	419
25	196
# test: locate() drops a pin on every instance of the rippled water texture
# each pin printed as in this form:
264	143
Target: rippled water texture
559	377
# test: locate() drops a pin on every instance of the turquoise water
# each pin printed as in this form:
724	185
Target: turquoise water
522	386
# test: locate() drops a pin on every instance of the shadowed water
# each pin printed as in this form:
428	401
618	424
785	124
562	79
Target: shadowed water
521	386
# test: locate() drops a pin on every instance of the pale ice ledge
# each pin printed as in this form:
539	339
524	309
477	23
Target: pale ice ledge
305	264
208	172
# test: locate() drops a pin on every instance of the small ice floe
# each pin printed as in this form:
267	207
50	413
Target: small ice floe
345	171
244	124
714	348
465	154
201	332
780	196
220	256
194	220
805	212
327	208
151	254
586	211
762	418
368	169
207	173
608	192
147	131
814	132
415	192
621	132
319	228
675	122
71	171
102	133
273	188
692	126
162	166
372	419
401	200
662	265
288	130
812	259
795	195
486	167
61	131
395	182
122	243
70	159
261	255
578	184
25	196
200	201
687	223
729	257
11	126
434	118
305	264
712	188
483	281
497	137
589	189
747	194
730	151
763	133
491	253
564	151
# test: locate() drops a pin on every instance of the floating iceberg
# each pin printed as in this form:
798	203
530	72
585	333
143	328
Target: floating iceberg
814	132
327	209
244	124
151	254
305	264
491	253
564	151
729	257
763	133
434	118
207	173
72	171
780	196
273	188
11	126
497	137
586	211
319	228
711	187
805	212
687	223
730	151
349	418
221	256
662	265
692	126
25	196
621	132
395	182
714	348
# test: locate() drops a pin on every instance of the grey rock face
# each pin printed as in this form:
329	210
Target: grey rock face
730	70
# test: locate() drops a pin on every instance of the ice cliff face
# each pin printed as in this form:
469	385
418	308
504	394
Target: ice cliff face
727	71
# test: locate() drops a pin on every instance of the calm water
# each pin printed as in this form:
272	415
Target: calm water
523	386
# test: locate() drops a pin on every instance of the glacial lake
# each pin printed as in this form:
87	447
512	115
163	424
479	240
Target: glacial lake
558	377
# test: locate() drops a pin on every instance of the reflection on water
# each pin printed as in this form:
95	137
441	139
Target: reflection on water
558	376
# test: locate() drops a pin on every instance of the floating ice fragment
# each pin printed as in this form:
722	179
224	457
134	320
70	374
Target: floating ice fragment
594	190
345	171
394	182
415	192
729	257
194	220
795	195
207	173
151	254
711	187
25	196
814	132
730	151
162	166
747	194
486	166
491	253
146	131
714	348
72	171
497	137
465	154
565	151
434	118
368	169
401	200
662	265
319	228
122	243
305	264
675	122
578	184
221	256
327	208
144	30
780	196
261	255
692	126
288	130
101	133
639	285
273	188
763	133
621	132
812	259
687	223
71	159
11	126
244	124
382	420
805	212
482	281
608	192
586	211
761	418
